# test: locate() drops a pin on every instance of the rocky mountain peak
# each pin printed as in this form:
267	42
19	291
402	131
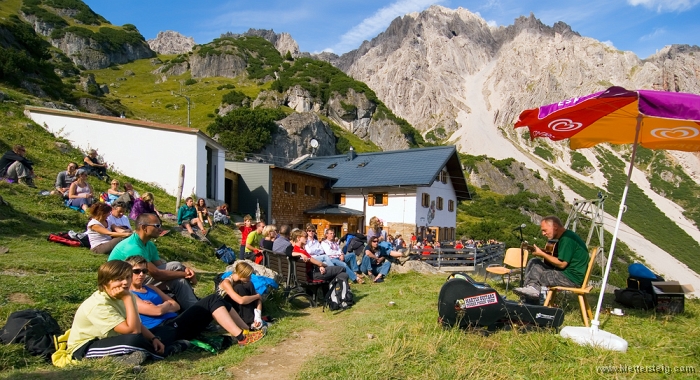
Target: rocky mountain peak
171	42
283	41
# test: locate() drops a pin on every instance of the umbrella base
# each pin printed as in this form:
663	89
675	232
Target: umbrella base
589	336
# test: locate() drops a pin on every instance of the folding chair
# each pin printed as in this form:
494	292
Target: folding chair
580	292
510	259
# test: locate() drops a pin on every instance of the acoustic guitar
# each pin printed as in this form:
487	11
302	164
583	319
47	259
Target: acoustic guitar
549	248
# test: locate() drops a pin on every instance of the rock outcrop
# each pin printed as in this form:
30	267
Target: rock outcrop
94	55
217	65
294	134
171	42
283	41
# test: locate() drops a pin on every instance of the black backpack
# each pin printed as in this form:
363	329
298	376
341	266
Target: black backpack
635	298
339	296
34	328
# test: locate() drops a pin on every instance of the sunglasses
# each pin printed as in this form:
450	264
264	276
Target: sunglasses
157	225
375	241
139	271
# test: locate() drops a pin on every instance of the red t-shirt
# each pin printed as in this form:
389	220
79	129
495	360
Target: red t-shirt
244	233
309	266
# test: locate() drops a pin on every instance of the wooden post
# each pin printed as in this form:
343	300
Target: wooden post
180	185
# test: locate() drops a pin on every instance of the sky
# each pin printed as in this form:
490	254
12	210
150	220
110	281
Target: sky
641	26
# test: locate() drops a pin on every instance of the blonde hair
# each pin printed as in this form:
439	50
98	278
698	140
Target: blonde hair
375	223
269	228
147	197
243	269
296	233
247	217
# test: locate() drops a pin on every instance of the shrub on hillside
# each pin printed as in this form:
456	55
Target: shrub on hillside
245	130
235	98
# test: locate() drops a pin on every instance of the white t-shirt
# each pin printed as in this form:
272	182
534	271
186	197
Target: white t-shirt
97	238
121	222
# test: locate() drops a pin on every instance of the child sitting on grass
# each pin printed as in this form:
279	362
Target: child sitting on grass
237	289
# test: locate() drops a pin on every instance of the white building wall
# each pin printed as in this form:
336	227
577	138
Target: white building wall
401	207
439	218
147	154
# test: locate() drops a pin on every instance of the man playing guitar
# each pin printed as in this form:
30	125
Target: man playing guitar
566	269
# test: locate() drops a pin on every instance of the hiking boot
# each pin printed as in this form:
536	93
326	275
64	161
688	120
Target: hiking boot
27	181
252	337
528	291
133	359
177	346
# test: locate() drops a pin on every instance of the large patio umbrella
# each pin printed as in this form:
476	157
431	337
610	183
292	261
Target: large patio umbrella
653	119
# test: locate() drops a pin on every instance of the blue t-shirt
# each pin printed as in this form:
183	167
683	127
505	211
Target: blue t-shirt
151	321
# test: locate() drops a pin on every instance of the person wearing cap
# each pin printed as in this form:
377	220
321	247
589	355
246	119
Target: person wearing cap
80	192
95	167
15	165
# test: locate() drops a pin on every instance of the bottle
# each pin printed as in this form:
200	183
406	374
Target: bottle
543	294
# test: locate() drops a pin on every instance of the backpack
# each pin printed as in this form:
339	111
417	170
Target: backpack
225	254
635	298
339	296
34	328
66	238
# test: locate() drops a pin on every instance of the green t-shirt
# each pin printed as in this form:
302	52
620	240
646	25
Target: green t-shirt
573	250
133	246
96	317
254	239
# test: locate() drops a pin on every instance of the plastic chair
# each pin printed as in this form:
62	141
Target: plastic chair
510	259
580	292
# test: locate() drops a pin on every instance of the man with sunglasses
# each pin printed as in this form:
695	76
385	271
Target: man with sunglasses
375	263
171	276
15	165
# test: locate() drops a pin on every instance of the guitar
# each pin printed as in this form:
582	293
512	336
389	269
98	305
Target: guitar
549	248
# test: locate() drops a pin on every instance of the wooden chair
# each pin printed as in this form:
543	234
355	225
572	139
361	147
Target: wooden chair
511	259
580	292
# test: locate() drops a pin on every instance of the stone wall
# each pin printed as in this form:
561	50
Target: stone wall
288	208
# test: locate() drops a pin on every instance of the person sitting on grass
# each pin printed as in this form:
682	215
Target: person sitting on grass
15	165
187	217
129	196
237	290
95	167
117	220
108	324
99	231
221	215
203	212
172	276
375	263
144	205
80	192
64	180
113	192
159	312
315	270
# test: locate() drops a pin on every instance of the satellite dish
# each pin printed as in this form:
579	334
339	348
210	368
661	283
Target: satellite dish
313	143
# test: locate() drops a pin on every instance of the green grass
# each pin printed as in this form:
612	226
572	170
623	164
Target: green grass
147	99
407	342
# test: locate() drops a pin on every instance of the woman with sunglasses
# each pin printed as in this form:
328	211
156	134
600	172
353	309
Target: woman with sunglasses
80	191
375	262
159	312
108	323
113	192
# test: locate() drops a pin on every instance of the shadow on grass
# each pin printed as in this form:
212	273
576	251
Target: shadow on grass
70	373
18	223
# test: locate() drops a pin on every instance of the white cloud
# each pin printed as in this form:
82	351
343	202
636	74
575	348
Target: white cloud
608	43
657	32
665	5
380	20
492	23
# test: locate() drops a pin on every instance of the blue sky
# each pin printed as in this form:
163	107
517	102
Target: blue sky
642	26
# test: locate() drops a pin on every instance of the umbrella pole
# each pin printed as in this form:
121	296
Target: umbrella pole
596	322
593	336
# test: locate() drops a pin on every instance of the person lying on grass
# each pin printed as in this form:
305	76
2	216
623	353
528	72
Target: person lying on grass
159	312
237	290
108	323
315	269
102	238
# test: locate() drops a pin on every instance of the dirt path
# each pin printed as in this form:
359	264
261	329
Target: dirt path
284	360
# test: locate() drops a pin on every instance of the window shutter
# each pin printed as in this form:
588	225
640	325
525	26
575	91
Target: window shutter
370	200
342	198
385	199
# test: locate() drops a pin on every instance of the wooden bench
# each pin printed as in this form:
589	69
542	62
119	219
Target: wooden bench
296	282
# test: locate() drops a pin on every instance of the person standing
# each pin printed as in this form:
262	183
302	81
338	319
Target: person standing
253	243
16	166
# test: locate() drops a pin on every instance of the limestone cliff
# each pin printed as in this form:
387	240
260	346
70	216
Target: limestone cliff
171	42
283	42
294	135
